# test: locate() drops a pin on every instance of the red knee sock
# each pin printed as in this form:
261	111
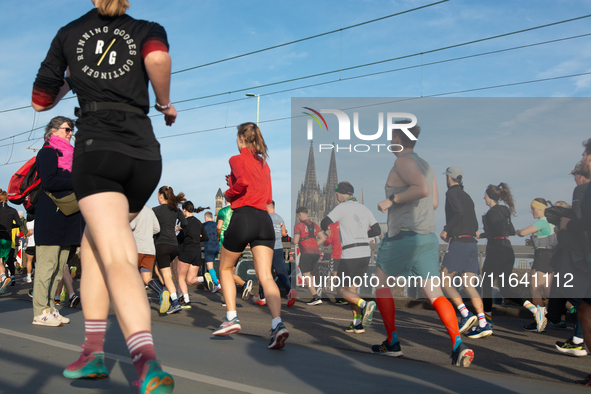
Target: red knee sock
141	348
387	310
447	314
94	336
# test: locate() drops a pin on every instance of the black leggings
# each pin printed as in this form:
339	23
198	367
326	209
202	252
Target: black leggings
500	259
107	171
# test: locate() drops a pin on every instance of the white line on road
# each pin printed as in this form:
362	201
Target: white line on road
173	371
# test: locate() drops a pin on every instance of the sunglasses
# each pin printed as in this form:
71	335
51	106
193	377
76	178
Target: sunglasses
68	129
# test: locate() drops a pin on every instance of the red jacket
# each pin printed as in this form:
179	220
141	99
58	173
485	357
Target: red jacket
249	181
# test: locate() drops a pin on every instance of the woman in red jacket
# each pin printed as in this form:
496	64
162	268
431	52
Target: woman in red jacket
249	193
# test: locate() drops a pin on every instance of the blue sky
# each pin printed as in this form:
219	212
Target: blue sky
201	32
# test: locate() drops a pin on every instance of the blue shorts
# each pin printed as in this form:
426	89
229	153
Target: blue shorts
461	257
210	256
410	255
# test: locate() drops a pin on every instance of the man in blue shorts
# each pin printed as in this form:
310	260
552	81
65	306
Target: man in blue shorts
461	257
411	248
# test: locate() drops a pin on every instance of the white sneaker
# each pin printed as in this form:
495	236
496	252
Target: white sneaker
540	318
46	319
60	318
26	279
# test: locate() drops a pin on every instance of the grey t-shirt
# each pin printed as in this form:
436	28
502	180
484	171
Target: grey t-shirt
418	215
278	223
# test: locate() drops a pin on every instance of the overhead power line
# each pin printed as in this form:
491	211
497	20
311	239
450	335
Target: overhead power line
308	38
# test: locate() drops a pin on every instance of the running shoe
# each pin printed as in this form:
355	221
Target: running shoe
278	337
57	301
88	367
60	318
319	292
4	286
291	297
26	279
12	281
367	313
258	300
462	356
74	301
156	380
571	348
561	325
30	292
315	301
164	301
480	332
73	272
186	305
246	290
467	322
227	327
584	382
386	350
532	327
341	302
208	281
46	319
541	320
358	329
174	309
216	288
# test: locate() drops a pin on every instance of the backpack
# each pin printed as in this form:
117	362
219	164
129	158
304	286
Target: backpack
311	228
24	186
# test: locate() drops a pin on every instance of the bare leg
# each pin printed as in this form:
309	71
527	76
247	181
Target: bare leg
227	262
109	261
263	259
67	280
182	270
192	275
308	282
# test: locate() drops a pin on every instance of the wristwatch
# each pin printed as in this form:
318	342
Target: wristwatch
162	107
391	198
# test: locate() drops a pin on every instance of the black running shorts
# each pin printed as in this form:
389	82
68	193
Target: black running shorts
308	261
353	267
249	225
165	254
107	171
191	256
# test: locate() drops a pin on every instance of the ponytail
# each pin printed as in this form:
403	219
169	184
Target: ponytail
112	8
502	193
254	139
172	200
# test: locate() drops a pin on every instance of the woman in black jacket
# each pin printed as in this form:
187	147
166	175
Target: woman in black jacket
9	219
500	257
55	233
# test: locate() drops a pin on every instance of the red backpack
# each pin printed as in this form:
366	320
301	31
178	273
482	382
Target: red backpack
24	186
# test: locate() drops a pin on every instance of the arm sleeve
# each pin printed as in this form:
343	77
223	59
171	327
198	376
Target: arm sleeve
182	219
50	76
156	40
327	221
374	231
241	175
47	170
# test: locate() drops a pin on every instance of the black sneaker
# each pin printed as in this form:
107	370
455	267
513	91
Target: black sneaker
570	348
246	289
30	293
584	382
74	301
532	327
462	356
358	329
386	350
315	301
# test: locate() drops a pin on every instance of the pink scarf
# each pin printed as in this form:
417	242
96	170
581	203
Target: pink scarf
65	160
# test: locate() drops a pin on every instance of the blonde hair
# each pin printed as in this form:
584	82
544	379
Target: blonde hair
112	7
254	139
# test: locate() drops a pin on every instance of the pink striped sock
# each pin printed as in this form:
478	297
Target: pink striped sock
94	336
141	348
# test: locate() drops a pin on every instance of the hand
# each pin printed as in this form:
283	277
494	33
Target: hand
169	115
383	206
563	223
443	236
518	233
228	180
478	234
